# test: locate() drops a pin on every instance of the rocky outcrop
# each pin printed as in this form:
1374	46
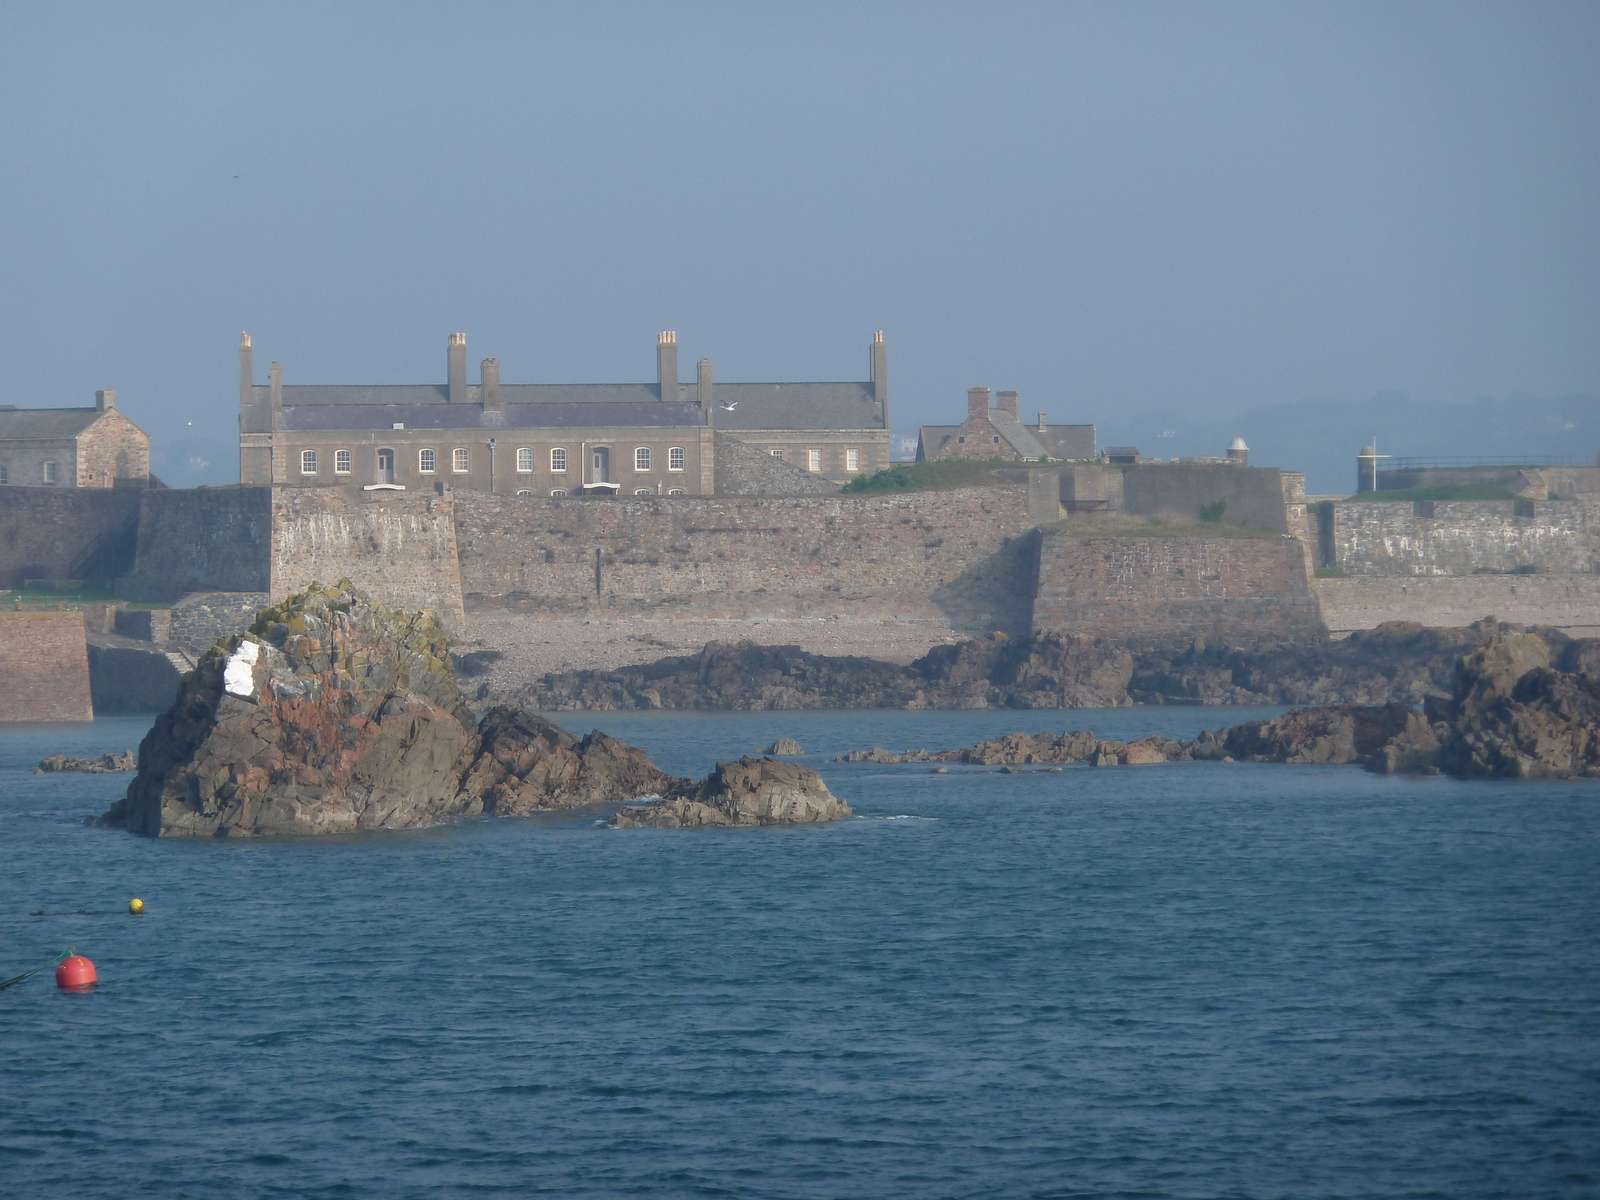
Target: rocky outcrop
106	764
752	791
1047	671
334	713
784	746
1345	733
527	764
1021	749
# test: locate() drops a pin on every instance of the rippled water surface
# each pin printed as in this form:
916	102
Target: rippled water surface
1188	980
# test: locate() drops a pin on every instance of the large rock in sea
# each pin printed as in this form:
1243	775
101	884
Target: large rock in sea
752	791
334	713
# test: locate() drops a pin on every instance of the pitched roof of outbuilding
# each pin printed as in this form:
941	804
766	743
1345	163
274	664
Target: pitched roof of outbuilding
45	424
753	406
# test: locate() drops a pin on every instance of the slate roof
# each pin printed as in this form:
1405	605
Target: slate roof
740	406
45	424
611	414
1057	441
796	406
1015	432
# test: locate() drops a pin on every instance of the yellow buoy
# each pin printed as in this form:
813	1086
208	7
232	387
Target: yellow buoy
136	906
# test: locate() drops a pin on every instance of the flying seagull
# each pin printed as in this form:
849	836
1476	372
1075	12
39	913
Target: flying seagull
729	406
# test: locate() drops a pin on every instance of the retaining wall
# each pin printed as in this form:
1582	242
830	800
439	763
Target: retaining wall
1571	602
44	667
1461	538
399	546
201	540
1162	593
954	558
44	530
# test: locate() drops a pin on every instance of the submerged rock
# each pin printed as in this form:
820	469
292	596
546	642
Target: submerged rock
334	713
752	791
106	764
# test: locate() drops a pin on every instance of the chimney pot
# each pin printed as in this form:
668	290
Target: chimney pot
456	365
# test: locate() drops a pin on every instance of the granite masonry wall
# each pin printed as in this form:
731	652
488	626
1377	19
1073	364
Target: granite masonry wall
400	546
1162	593
1570	602
44	667
198	620
1553	537
961	558
201	540
45	530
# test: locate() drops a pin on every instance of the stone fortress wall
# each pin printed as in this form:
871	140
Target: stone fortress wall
44	667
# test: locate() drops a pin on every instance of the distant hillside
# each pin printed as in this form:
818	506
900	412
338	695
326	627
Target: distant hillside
1322	437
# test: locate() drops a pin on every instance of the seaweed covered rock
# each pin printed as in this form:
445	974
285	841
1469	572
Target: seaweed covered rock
333	713
752	791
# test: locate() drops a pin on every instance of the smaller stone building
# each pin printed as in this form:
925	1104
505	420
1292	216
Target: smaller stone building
999	433
95	447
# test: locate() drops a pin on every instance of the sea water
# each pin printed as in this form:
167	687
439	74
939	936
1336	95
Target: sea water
1187	980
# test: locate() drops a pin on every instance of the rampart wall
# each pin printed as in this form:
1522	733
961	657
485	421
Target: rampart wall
1571	602
1554	537
201	540
45	530
1162	593
400	546
954	559
44	667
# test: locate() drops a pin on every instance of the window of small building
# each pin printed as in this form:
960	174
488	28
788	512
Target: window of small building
643	492
777	452
962	440
460	459
341	462
852	460
49	472
813	460
559	492
308	462
676	492
425	461
677	458
558	460
524	492
997	439
525	459
641	458
5	475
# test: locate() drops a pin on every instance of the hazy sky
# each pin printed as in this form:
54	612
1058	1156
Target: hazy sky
1113	208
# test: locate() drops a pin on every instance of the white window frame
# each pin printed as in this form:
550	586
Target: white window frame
427	462
677	458
558	458
525	492
308	462
524	456
637	492
852	459
676	492
341	462
5	475
559	492
642	458
48	472
460	460
776	452
814	461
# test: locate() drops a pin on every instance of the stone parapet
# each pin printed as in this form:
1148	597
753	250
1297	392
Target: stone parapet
1570	602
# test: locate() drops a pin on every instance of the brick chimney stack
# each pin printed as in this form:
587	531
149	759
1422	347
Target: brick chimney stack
1043	428
667	365
457	379
977	402
247	374
490	374
105	401
1007	403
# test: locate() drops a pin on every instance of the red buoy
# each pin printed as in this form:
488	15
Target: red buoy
75	972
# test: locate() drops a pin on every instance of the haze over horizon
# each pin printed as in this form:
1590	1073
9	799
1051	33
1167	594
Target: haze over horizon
1166	220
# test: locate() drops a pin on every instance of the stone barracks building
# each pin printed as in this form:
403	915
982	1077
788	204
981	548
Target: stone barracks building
998	432
630	439
73	447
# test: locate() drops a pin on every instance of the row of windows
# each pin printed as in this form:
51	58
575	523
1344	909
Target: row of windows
852	459
461	460
47	473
